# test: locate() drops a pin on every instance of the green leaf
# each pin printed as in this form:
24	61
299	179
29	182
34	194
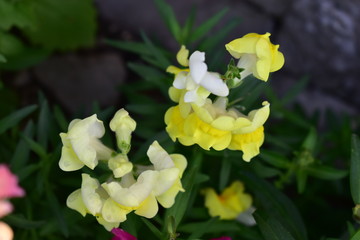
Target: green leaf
21	154
275	159
14	118
355	169
13	14
21	222
2	59
157	54
152	227
276	204
301	177
168	16
10	44
34	146
224	172
271	229
326	172
58	212
356	236
203	228
134	47
204	28
63	25
44	124
310	140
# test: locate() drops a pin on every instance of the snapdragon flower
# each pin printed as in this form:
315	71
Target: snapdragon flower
92	199
214	126
230	203
196	80
256	54
158	183
81	144
123	125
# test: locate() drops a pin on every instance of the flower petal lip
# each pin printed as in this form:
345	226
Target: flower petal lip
256	54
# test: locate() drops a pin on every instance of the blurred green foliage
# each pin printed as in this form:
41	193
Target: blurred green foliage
30	30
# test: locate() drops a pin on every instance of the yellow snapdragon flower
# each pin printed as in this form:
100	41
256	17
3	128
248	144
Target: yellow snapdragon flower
213	126
230	203
256	54
81	144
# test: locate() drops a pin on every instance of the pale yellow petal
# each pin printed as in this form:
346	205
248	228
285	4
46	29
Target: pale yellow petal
112	212
75	202
149	207
182	56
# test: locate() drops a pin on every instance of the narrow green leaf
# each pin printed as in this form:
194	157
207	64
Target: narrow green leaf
43	128
271	229
168	16
217	37
355	169
60	118
326	172
301	178
134	47
203	228
188	27
310	140
275	159
20	221
207	26
220	226
224	172
14	118
152	227
34	146
156	52
21	154
57	210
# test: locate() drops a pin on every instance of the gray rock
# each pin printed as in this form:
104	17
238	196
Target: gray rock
77	81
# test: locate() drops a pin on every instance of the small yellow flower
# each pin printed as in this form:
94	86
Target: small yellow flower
256	54
81	144
123	125
213	126
230	203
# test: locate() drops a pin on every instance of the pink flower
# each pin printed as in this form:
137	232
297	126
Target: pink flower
120	234
221	238
8	188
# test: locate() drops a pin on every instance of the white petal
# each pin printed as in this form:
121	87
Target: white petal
159	157
191	96
197	66
148	208
112	212
91	198
213	83
180	80
69	160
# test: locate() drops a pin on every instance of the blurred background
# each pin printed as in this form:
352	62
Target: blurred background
319	38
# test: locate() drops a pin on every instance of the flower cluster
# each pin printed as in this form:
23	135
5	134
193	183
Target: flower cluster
9	188
130	188
210	123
